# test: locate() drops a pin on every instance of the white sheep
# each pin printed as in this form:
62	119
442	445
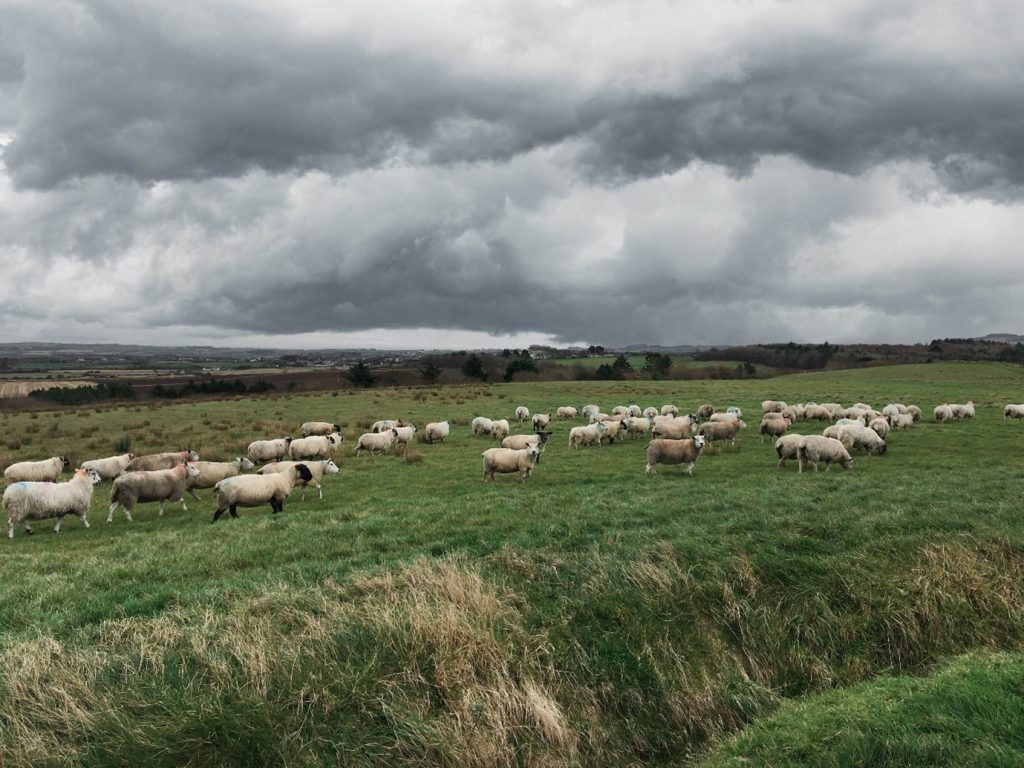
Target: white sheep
317	470
499	429
892	410
672	429
721	430
914	411
404	435
256	490
385	424
150	485
903	421
814	449
854	436
638	426
565	412
379	442
310	428
650	412
880	425
541	421
669	410
507	460
588	409
817	413
588	435
518	442
481	425
736	410
773	406
620	410
28	500
963	410
773	428
943	413
634	411
863	406
268	450
110	467
167	460
45	471
212	472
1013	411
704	412
314	447
613	429
522	413
727	416
786	448
674	452
436	431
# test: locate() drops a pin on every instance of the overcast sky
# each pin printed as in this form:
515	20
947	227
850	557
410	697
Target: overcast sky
462	174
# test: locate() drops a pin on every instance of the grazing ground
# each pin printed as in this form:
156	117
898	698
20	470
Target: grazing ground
592	615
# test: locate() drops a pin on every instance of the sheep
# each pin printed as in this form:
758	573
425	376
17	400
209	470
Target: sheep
565	412
786	448
914	411
858	436
500	429
154	461
773	427
637	426
880	425
315	446
385	424
317	469
635	412
45	471
943	413
1013	411
588	409
773	406
834	431
797	410
268	450
212	472
150	485
728	416
596	416
650	412
522	413
613	429
817	413
734	409
832	408
541	421
770	416
588	435
27	500
110	467
256	490
963	411
436	431
620	410
903	421
705	411
669	410
518	442
847	422
379	442
721	430
310	428
404	435
857	414
814	449
674	452
672	429
789	412
507	460
863	406
481	425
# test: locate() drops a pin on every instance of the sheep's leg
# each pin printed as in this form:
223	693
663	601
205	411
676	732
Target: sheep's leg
194	495
110	513
217	514
234	511
161	508
128	514
10	528
183	507
84	519
650	469
60	519
27	527
689	469
321	491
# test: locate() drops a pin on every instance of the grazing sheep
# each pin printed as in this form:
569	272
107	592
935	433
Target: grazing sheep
376	442
637	426
721	430
150	485
857	414
522	413
1013	411
963	411
834	431
541	421
385	424
596	416
860	437
786	447
620	410
481	425
914	411
588	435
268	450
45	471
773	428
436	431
500	429
635	412
705	411
669	410
880	425
727	416
256	490
154	461
315	446
943	413
847	422
518	442
310	428
672	429
565	412
212	472
773	406
863	407
507	460
588	409
814	449
650	412
613	430
797	410
317	469
110	467
404	435
817	413
734	409
27	500
903	421
832	409
674	452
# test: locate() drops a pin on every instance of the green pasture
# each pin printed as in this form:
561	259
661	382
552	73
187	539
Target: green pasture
592	615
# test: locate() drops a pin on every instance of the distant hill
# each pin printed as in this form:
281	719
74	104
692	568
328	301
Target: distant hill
1005	338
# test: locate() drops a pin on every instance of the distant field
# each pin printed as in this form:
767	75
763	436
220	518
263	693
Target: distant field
20	388
637	361
592	615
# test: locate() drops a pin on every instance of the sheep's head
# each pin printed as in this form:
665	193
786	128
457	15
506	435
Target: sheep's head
193	455
244	463
65	462
698	442
331	468
191	470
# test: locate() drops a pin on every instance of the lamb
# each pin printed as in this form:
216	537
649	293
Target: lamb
110	467
817	413
29	500
154	461
674	452
150	485
1013	411
669	410
376	442
637	426
481	425
588	435
541	421
565	412
858	436
315	446
256	490
773	406
518	442
650	412
721	430
963	411
268	450
672	429
943	413
507	460
773	427
436	431
814	449
522	413
404	435
880	425
500	429
786	448
317	469
705	411
310	428
212	472
45	471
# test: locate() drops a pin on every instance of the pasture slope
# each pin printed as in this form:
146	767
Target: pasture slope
590	616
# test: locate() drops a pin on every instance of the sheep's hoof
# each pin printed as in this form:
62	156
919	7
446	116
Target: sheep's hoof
29	531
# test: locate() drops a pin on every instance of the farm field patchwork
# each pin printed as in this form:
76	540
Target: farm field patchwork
591	615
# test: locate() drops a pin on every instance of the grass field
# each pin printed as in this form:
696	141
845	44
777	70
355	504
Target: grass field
592	615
